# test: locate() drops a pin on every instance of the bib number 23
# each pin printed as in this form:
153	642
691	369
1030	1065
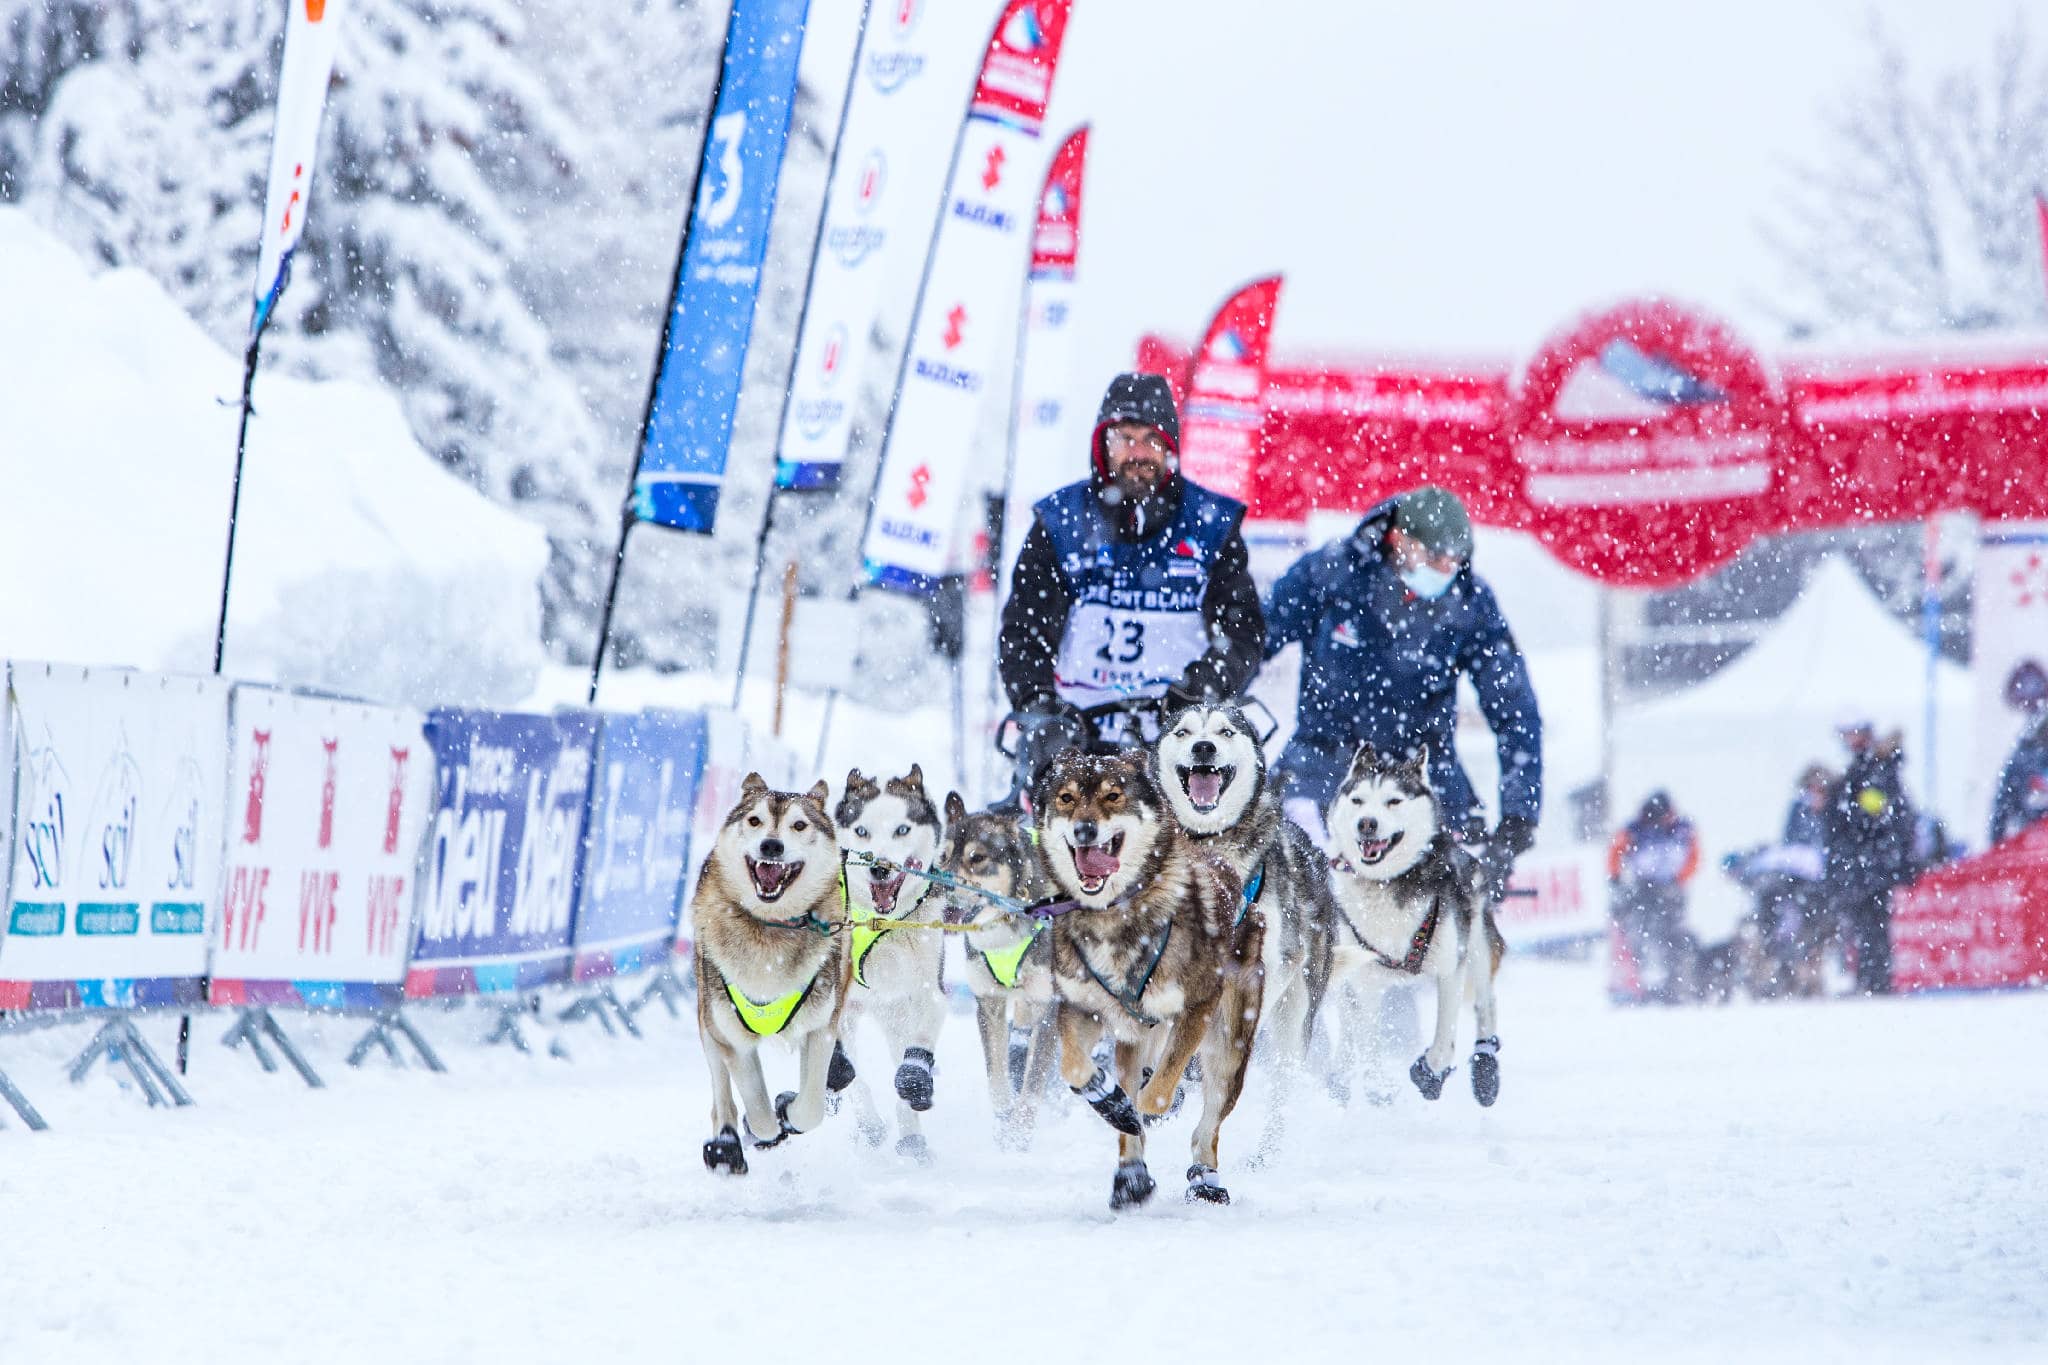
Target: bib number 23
1123	640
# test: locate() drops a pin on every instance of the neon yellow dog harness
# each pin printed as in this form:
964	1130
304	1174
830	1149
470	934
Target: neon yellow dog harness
1006	965
766	1019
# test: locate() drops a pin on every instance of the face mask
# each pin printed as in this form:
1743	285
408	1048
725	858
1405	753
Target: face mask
1425	581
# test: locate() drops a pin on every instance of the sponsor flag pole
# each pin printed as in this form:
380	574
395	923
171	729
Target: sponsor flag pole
1043	373
776	487
310	35
686	427
923	468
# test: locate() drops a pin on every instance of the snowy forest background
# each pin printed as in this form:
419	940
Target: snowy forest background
501	190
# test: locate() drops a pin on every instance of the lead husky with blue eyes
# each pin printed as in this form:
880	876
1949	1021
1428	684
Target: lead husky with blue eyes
1413	904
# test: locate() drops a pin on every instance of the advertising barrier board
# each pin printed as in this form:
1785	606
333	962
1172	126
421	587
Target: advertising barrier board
497	888
327	801
118	802
643	801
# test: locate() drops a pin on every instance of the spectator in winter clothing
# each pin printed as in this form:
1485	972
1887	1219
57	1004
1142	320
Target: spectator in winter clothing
2022	797
1870	834
1133	584
1387	618
1649	864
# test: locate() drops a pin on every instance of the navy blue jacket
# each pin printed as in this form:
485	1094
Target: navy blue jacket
1380	665
2022	786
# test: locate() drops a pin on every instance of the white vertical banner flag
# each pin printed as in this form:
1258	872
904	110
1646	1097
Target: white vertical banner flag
968	305
910	82
311	31
1048	440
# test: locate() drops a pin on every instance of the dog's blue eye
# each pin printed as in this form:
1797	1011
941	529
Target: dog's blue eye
1226	734
902	830
860	831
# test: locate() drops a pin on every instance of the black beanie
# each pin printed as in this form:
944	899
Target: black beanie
1146	398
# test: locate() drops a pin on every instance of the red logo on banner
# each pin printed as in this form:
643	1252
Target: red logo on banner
2030	585
828	361
259	772
870	184
395	806
326	839
956	320
992	169
920	478
316	10
905	17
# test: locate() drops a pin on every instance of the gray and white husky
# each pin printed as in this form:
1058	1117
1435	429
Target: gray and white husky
895	971
1413	904
1212	766
1009	959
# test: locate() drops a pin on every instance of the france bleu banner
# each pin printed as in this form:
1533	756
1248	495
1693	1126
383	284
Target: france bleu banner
688	430
311	32
498	886
643	795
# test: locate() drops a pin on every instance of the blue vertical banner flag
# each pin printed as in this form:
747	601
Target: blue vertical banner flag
688	431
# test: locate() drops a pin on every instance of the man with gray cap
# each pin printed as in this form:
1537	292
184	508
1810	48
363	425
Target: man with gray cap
1387	619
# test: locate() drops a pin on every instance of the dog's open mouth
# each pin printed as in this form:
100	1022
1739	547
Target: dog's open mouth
1371	851
772	879
885	882
1205	784
1095	864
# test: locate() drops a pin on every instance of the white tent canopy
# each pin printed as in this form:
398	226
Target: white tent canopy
1731	749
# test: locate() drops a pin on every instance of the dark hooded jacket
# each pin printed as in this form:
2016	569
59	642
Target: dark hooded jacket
1380	665
1870	826
2022	797
1035	616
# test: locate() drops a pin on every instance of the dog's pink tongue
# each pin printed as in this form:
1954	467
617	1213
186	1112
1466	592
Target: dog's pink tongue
1095	861
884	893
1205	789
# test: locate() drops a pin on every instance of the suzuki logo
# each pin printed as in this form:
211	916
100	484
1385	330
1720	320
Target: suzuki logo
956	321
992	169
920	478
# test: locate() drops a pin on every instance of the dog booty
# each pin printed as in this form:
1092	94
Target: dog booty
1133	1185
1486	1071
1110	1101
1203	1187
1430	1083
914	1079
839	1074
724	1152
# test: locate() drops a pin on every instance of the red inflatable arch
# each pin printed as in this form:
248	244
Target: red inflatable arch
1646	444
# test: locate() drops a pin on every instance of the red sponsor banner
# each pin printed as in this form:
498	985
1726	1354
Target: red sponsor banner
1979	922
1023	53
1056	241
1645	445
1224	410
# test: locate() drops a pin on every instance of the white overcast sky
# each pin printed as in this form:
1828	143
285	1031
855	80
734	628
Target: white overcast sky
1450	178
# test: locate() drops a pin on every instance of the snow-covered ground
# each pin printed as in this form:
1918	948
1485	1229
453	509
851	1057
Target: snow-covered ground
1851	1180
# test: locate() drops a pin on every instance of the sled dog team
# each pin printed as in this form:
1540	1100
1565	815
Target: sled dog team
1149	913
